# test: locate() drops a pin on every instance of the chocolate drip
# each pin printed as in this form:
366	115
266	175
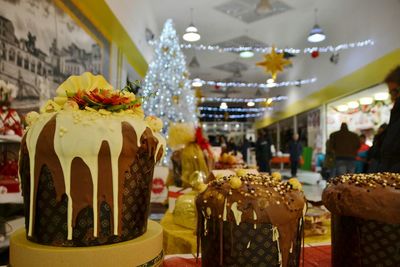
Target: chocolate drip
129	148
105	192
46	155
81	188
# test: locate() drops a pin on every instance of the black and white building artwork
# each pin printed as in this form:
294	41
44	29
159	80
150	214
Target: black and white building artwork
40	46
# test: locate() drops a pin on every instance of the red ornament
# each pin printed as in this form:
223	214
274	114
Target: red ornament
315	54
158	186
217	87
202	142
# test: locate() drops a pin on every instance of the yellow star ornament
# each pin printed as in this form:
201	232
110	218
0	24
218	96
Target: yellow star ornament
274	63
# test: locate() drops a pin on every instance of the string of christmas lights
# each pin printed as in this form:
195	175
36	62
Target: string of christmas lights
267	49
234	109
243	100
235	116
256	85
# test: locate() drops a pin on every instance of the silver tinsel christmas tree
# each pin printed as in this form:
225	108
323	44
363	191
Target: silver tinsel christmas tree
167	87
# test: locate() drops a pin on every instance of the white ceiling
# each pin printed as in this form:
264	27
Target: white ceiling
342	20
216	27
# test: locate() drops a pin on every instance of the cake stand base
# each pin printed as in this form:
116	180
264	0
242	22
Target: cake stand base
145	250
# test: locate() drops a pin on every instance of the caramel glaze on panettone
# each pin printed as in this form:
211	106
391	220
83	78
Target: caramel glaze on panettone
257	200
374	196
86	177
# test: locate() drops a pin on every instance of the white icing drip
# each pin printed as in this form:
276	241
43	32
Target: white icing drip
81	134
224	214
291	247
248	244
275	237
236	213
255	219
32	137
205	223
161	144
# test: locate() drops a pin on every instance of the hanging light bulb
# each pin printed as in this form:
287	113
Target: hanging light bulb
353	104
270	80
366	101
197	82
381	96
316	34
246	54
191	33
342	108
271	83
223	105
251	104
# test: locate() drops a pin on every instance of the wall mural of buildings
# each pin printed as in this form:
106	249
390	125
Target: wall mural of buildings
40	46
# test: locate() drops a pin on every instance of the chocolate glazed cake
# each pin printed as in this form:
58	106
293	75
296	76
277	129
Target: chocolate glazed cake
86	177
365	219
252	220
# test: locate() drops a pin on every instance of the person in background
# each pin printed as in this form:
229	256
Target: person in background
263	152
251	142
244	148
362	154
232	146
374	155
223	144
295	151
390	150
345	145
329	162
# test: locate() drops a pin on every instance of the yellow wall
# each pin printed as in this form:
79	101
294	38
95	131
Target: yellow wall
369	75
101	16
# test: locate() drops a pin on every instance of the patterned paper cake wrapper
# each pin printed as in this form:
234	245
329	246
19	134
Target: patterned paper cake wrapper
243	245
50	226
364	243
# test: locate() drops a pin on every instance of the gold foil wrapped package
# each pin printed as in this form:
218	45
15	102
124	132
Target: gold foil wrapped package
185	210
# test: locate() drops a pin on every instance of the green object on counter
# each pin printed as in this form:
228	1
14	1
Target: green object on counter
307	157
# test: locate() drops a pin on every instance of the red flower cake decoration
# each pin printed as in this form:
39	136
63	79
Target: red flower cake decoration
105	99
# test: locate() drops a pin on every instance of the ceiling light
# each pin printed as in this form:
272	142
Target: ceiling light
342	108
366	100
223	106
269	100
353	104
270	80
246	54
250	104
197	83
316	34
237	126
270	85
382	96
191	33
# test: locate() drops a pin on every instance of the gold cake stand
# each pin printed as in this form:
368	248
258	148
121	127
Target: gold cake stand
144	251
